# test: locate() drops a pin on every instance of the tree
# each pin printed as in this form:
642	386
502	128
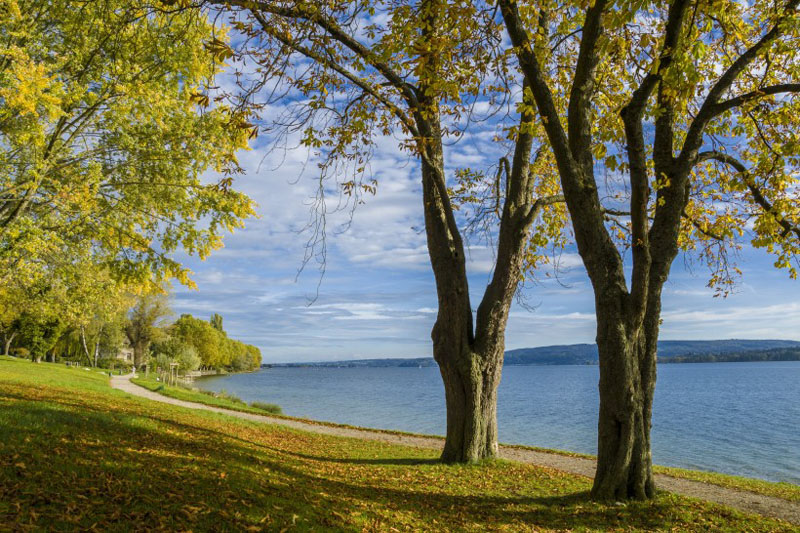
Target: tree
9	314
94	306
111	337
692	106
187	358
40	334
216	322
175	349
143	323
102	139
203	337
413	70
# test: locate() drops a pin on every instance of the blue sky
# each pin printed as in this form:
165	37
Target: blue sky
377	298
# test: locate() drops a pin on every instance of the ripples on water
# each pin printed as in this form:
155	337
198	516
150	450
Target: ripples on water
736	418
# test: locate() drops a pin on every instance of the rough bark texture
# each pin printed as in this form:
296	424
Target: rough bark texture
627	321
471	398
624	467
7	345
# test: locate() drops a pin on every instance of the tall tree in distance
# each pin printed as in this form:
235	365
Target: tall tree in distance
689	109
144	321
216	322
413	70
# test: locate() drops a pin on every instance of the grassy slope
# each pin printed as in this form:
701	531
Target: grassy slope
782	490
76	454
786	491
199	397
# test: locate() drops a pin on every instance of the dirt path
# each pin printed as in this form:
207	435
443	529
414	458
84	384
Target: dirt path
745	501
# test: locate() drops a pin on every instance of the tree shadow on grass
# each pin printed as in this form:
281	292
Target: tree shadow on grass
179	475
378	461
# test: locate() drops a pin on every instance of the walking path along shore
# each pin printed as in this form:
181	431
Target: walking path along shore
749	502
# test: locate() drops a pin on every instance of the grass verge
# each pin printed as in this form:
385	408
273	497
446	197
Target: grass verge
782	490
222	400
785	491
75	454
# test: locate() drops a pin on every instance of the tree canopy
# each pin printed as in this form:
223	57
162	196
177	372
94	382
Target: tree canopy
673	126
213	346
667	126
102	139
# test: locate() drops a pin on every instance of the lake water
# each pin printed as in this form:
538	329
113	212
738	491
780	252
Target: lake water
736	418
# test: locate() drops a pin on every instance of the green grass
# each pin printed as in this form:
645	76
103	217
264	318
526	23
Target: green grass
267	407
782	490
785	491
75	454
222	400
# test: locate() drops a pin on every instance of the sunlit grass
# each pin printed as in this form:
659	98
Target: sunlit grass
75	454
225	401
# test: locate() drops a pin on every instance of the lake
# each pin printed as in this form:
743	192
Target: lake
735	418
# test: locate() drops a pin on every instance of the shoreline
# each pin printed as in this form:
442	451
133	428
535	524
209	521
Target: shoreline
379	402
744	500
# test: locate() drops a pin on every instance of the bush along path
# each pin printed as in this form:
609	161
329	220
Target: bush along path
750	502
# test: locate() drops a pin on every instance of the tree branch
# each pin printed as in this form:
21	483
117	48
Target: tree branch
694	135
579	108
408	91
755	191
738	101
361	84
539	87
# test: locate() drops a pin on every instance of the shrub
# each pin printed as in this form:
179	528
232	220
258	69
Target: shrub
268	407
225	395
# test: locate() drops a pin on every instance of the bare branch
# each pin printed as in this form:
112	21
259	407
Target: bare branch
361	84
742	99
755	191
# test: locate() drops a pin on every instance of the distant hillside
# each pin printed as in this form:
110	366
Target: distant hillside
730	350
372	363
668	352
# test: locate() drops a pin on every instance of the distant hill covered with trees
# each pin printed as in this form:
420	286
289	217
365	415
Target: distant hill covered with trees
729	350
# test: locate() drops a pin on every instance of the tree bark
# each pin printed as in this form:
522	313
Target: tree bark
85	347
627	381
139	352
470	383
7	345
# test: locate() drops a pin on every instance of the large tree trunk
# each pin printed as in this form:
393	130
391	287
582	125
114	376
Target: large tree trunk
470	384
624	466
139	353
628	361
